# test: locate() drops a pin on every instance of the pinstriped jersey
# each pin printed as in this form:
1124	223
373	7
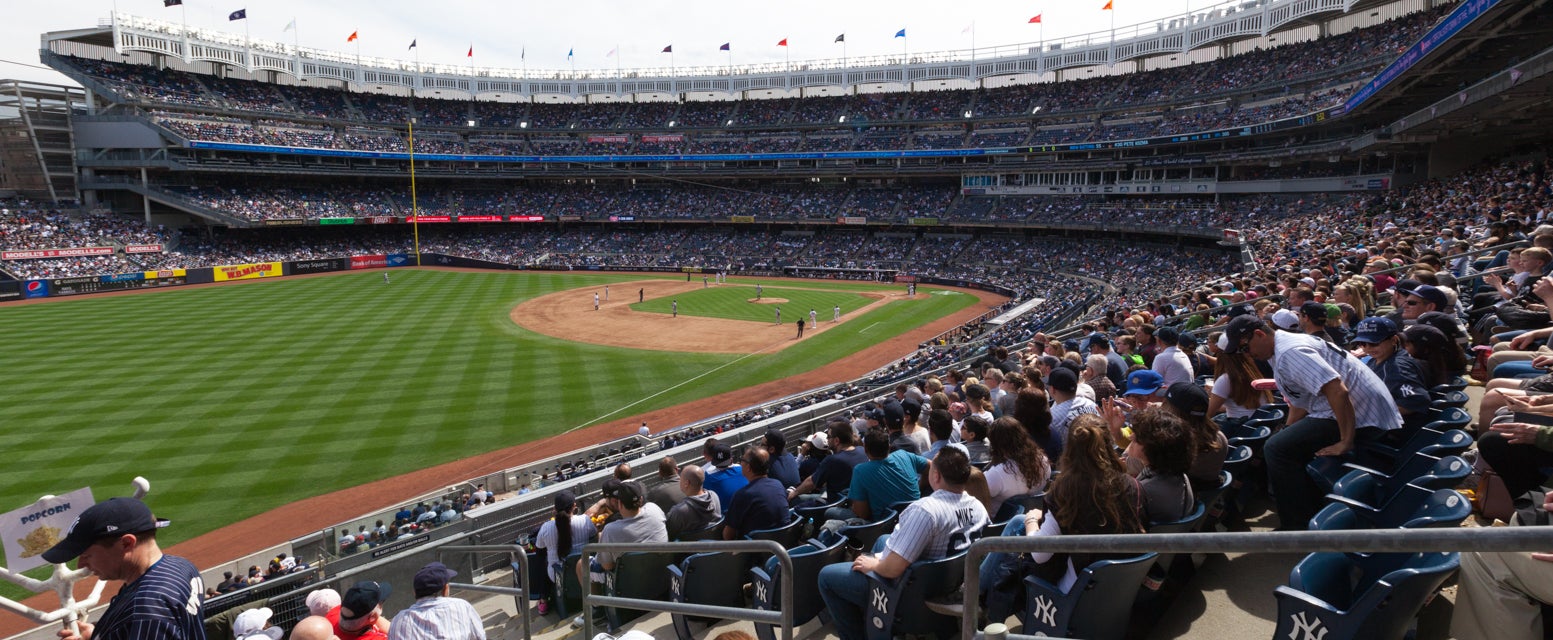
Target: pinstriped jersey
1302	364
167	603
937	526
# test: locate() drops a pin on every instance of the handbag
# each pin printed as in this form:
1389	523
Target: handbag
1493	498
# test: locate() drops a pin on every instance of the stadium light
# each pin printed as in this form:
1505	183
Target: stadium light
967	113
523	125
729	123
671	123
1036	110
841	119
471	123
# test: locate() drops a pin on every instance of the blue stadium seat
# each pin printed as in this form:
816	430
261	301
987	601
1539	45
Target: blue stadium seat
808	559
788	535
862	536
1098	607
895	606
1452	399
1381	458
1169	564
568	592
1375	488
713	531
641	575
706	578
1413	507
1336	596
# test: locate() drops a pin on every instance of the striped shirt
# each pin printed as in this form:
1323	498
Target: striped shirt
167	603
937	526
1302	364
437	618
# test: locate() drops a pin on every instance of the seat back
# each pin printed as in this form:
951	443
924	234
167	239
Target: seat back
568	591
713	531
1098	607
816	513
788	535
863	536
808	559
706	578
1343	596
1453	398
641	575
1450	443
895	606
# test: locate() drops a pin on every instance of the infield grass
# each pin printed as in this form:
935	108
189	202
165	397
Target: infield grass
739	303
236	399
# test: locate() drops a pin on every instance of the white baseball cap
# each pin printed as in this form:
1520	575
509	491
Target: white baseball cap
249	625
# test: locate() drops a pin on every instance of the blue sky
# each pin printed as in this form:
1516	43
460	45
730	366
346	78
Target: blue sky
503	33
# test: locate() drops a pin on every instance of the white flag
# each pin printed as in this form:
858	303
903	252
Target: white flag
612	52
290	25
967	28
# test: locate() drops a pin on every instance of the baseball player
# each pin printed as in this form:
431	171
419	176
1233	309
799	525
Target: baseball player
813	318
385	277
759	291
703	282
835	314
595	301
800	327
641	294
676	308
606	293
779	315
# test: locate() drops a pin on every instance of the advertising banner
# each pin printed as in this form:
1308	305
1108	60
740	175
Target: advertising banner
530	218
336	221
316	266
29	531
10	290
248	271
852	220
399	260
609	139
36	289
142	248
166	273
425	219
622	218
923	222
745	219
479	218
571	218
125	277
37	254
671	138
369	262
380	219
285	222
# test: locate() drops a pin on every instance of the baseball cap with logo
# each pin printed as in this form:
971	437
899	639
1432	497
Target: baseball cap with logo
1143	382
1063	379
432	578
722	454
1188	398
1374	330
628	493
362	599
1286	320
109	518
819	441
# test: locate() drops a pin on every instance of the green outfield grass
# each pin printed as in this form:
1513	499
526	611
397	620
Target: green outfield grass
236	399
737	303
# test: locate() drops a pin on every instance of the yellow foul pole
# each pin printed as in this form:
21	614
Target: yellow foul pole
415	209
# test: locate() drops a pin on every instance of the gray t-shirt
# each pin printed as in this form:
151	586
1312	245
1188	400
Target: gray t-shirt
646	526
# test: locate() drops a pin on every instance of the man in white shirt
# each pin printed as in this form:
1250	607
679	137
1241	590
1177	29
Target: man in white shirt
1334	401
435	616
1170	363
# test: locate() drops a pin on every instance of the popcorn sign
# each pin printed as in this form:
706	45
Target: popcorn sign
29	531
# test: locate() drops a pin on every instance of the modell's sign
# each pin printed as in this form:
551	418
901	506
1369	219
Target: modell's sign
37	254
142	248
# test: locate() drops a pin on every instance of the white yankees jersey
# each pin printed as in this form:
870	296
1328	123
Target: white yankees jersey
1302	364
937	526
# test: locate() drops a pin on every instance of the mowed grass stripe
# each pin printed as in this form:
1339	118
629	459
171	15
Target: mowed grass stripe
236	399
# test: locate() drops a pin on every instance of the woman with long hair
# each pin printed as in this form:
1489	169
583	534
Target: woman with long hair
1034	413
1092	495
561	536
1018	465
1232	392
1189	402
1441	358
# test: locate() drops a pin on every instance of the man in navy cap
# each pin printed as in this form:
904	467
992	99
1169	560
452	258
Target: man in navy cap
162	596
435	616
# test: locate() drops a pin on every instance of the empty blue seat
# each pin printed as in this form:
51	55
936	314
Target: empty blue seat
1374	488
706	578
1413	507
1098	607
1336	596
808	559
862	536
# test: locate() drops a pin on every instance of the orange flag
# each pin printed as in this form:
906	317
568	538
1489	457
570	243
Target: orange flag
1036	19
1107	6
352	38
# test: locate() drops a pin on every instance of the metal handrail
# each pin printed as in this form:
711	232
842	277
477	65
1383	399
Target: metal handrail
517	559
783	618
1361	541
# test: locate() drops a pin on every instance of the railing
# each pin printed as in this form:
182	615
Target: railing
1356	541
782	618
517	560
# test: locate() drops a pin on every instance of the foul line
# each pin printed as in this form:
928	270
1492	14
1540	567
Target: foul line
865	329
668	389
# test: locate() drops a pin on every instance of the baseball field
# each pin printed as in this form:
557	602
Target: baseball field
236	399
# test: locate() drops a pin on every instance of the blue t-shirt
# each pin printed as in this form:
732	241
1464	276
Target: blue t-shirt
761	504
888	481
835	472
784	469
167	603
725	482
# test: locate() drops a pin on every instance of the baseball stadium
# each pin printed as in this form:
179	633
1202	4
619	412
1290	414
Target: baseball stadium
1229	324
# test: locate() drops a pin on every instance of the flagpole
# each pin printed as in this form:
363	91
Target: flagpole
186	57
415	207
296	38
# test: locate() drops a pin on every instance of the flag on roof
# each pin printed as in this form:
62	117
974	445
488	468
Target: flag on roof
725	47
412	45
171	3
841	38
1036	19
240	14
668	49
290	26
471	53
783	43
901	33
1107	6
352	37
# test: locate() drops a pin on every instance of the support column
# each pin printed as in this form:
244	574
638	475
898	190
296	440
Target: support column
145	200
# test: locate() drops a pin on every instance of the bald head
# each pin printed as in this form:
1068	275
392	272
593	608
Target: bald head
690	480
314	628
